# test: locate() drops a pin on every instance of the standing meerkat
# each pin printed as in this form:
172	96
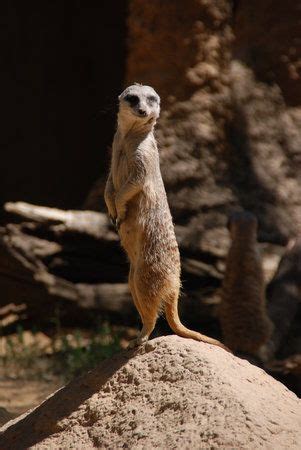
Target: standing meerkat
243	316
136	200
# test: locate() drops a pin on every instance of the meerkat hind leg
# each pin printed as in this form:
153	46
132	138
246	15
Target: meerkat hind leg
144	334
149	318
133	343
148	310
133	291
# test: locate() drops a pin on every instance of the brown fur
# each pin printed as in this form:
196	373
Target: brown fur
245	324
136	200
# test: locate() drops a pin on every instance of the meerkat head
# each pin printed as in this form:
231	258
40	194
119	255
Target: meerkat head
242	223
139	104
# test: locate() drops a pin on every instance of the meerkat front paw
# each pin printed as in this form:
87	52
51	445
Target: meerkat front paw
113	220
120	217
118	223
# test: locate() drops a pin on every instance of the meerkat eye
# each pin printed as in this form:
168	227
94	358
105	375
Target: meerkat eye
132	99
152	99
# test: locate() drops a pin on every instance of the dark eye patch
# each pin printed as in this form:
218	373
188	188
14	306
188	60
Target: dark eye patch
132	99
152	99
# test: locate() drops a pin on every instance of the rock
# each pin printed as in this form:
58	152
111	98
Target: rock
169	393
284	295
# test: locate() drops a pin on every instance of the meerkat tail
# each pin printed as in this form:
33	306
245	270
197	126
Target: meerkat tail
173	319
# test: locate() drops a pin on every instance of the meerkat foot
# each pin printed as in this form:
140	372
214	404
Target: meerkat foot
138	341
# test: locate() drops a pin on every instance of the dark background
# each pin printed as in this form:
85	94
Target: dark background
59	83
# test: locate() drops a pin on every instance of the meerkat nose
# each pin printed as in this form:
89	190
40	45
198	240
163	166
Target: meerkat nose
142	112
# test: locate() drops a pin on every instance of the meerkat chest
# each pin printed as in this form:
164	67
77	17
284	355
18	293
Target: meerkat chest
120	165
120	171
131	155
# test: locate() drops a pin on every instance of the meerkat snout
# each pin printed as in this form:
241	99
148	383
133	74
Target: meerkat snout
140	101
142	112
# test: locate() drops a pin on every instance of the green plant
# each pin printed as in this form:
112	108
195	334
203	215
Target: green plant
77	356
68	354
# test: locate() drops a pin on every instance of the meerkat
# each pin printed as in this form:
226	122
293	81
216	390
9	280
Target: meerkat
136	200
244	320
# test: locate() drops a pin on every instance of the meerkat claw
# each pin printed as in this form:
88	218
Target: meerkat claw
118	223
113	221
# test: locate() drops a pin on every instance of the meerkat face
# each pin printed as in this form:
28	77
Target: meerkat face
140	103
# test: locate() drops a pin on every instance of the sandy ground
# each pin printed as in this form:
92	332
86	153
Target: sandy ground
17	396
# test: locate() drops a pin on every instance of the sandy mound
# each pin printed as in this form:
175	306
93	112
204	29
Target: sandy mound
171	393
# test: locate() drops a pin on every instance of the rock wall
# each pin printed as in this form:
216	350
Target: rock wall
229	137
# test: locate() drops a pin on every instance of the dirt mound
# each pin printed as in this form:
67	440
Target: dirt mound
171	393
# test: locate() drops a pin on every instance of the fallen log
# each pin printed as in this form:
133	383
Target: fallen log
50	257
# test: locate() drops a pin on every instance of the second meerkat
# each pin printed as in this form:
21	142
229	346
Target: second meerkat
136	200
244	320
